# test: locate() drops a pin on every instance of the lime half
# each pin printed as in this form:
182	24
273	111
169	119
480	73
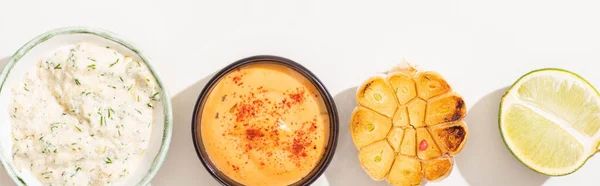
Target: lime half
549	119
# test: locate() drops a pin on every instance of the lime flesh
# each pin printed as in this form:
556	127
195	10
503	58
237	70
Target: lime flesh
549	119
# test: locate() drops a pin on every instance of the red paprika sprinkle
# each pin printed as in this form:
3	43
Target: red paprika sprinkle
251	134
236	79
253	109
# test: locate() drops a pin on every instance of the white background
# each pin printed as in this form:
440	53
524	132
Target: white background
480	47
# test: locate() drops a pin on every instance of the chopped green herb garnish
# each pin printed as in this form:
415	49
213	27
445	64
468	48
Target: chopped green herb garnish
128	89
77	169
21	179
154	96
25	87
139	64
121	79
107	47
149	105
109	111
92	135
41	138
111	86
78	128
58	66
92	59
54	150
54	127
119	132
138	111
138	98
113	64
148	80
101	120
108	160
77	82
92	66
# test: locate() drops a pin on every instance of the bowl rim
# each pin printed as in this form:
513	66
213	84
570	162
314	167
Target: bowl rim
329	103
108	35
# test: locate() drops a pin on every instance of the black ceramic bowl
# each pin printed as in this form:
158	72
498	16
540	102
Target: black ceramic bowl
328	100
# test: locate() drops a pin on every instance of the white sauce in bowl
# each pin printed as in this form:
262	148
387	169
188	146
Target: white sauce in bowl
82	116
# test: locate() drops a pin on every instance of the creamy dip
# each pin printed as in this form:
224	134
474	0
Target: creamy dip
82	116
265	124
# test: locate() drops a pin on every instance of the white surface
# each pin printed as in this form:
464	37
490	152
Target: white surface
480	47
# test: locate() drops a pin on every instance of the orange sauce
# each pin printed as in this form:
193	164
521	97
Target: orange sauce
265	124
